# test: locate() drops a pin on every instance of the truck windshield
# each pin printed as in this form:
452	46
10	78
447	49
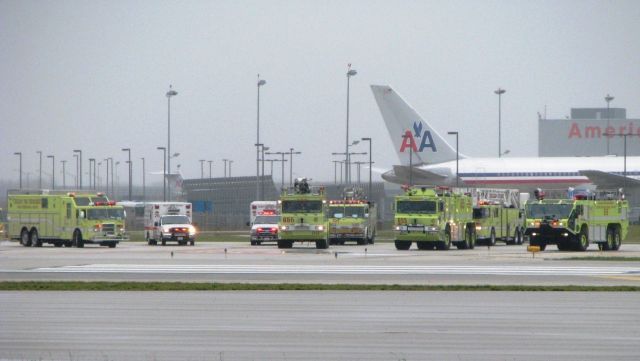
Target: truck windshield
419	207
266	220
83	201
346	212
479	213
301	206
105	213
175	220
540	210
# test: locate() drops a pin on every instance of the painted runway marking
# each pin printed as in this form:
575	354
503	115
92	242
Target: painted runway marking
337	269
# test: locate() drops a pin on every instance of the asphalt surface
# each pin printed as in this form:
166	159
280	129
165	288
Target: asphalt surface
329	325
373	264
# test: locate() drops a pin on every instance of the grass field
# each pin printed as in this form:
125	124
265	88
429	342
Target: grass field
188	286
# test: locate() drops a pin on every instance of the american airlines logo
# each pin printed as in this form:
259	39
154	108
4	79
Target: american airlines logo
589	131
410	139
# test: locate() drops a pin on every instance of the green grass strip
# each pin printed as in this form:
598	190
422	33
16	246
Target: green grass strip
188	286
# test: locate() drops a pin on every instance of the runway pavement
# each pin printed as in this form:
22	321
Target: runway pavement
380	263
327	325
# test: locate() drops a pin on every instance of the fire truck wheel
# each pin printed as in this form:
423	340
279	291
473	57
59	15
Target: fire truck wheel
193	243
372	240
562	246
472	237
424	246
582	241
323	244
617	239
285	244
57	244
35	241
402	245
112	245
608	245
519	236
25	239
446	244
253	243
152	242
77	239
164	243
362	242
492	238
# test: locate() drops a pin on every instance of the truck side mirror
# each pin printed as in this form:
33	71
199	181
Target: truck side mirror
248	224
155	224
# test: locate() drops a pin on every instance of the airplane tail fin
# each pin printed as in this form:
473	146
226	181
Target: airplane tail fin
409	132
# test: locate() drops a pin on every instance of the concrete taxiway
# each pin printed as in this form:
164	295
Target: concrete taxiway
374	264
326	325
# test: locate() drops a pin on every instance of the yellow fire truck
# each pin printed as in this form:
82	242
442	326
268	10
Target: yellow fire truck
352	218
434	217
600	217
303	215
498	216
65	219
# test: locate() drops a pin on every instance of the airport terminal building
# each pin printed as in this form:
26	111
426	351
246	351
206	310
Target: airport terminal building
584	133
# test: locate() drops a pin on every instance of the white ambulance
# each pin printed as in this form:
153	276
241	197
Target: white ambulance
264	219
169	222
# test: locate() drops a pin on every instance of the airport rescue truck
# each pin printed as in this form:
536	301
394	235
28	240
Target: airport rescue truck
303	215
498	216
573	223
434	217
352	218
169	222
67	219
264	222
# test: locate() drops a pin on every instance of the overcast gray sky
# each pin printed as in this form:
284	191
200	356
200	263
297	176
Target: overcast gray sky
93	75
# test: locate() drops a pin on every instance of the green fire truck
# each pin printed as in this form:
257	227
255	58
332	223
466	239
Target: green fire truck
303	215
67	219
433	217
352	218
498	216
571	224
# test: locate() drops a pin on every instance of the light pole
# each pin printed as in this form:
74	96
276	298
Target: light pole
263	148
170	93
291	153
64	176
92	177
230	162
608	99
19	154
164	172
500	91
368	139
144	185
53	171
350	73
335	170
117	181
113	184
210	173
79	151
457	158
261	82
40	170
282	154
106	160
128	150
202	168
99	177
77	171
258	179
225	166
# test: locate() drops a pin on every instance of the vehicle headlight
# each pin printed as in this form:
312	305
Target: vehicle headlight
165	230
320	228
478	228
283	228
397	228
192	231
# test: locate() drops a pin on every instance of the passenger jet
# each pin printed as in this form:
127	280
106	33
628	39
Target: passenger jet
434	159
